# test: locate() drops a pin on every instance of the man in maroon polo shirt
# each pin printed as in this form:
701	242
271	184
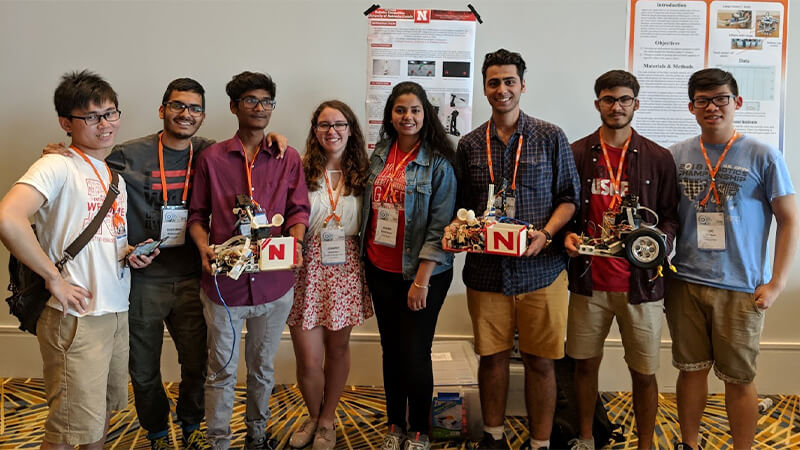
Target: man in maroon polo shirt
613	162
245	165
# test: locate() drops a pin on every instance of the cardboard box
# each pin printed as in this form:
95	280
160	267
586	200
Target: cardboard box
277	253
506	239
456	402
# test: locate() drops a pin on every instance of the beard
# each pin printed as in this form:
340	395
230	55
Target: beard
616	125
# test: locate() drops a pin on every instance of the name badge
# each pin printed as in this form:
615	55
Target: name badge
711	231
173	225
510	207
386	229
333	245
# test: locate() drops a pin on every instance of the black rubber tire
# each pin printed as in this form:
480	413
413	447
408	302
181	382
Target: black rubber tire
645	249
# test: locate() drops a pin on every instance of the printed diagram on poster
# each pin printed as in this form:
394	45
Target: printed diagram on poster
668	40
431	47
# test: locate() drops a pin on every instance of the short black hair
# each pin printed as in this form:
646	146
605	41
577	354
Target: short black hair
184	85
712	78
616	78
79	90
503	57
247	81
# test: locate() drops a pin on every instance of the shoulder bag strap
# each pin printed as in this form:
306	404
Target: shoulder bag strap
87	234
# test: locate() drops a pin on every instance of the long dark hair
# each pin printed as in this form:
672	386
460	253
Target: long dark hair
354	160
432	132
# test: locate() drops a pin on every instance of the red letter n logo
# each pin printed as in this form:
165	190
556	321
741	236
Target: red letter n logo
508	242
422	16
276	252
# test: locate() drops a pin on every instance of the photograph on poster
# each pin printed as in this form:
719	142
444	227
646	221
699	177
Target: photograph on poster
421	68
768	23
455	69
740	18
385	67
747	44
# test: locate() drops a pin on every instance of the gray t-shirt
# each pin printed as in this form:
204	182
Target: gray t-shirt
137	163
751	176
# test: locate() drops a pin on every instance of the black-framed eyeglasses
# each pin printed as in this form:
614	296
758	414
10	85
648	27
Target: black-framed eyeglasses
338	126
624	101
94	119
718	100
251	103
178	107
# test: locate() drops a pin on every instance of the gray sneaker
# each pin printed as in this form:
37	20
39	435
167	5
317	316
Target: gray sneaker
393	440
417	441
581	444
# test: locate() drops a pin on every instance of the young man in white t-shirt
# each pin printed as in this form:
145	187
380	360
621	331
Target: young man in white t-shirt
83	331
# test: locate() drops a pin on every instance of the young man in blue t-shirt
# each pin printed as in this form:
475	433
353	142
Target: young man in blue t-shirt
731	185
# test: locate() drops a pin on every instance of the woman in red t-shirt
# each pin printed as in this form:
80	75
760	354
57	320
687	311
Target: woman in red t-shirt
409	199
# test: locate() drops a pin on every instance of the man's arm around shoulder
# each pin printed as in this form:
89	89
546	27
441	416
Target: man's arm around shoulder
20	203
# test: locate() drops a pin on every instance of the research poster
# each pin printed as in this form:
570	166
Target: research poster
669	40
431	47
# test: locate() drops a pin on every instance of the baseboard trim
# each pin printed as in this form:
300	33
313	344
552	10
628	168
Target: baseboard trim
20	355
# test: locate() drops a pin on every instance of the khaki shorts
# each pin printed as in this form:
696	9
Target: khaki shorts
85	366
539	316
713	326
639	325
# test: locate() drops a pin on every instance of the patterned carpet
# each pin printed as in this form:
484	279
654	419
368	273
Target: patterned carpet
361	416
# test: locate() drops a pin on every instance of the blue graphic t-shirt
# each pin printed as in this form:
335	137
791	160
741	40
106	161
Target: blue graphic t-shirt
751	176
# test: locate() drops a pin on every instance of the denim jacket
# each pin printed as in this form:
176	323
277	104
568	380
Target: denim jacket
429	202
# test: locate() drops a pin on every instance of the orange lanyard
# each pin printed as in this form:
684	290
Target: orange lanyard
713	171
489	156
616	181
164	177
396	169
248	168
117	220
334	199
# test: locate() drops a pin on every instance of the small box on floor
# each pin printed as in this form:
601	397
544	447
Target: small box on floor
456	402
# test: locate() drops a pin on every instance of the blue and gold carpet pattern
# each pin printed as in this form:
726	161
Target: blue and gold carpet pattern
361	418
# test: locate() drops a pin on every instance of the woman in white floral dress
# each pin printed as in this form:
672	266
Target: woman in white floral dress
331	295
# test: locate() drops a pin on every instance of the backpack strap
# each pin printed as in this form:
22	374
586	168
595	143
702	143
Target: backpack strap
90	230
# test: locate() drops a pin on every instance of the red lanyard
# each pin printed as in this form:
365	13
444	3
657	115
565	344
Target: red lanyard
489	156
117	219
616	180
334	199
713	171
396	168
164	177
248	167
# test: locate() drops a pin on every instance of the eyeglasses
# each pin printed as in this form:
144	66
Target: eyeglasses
624	101
94	119
718	100
338	126
251	103
179	107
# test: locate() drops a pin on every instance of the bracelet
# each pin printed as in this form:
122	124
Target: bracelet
302	245
421	286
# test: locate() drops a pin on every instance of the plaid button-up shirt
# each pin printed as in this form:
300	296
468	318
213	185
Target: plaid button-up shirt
546	177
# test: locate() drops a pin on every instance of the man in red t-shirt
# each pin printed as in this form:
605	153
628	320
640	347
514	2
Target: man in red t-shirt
613	162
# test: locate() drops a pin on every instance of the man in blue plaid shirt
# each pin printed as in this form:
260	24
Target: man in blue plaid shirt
531	167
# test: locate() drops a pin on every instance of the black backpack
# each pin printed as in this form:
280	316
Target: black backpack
565	421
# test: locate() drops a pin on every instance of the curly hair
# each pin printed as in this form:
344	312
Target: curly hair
432	132
355	161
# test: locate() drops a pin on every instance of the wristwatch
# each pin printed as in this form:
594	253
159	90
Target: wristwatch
548	238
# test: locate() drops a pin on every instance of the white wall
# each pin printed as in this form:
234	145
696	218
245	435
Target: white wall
315	50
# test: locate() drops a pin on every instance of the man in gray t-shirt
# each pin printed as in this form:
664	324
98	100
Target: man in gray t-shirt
731	186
